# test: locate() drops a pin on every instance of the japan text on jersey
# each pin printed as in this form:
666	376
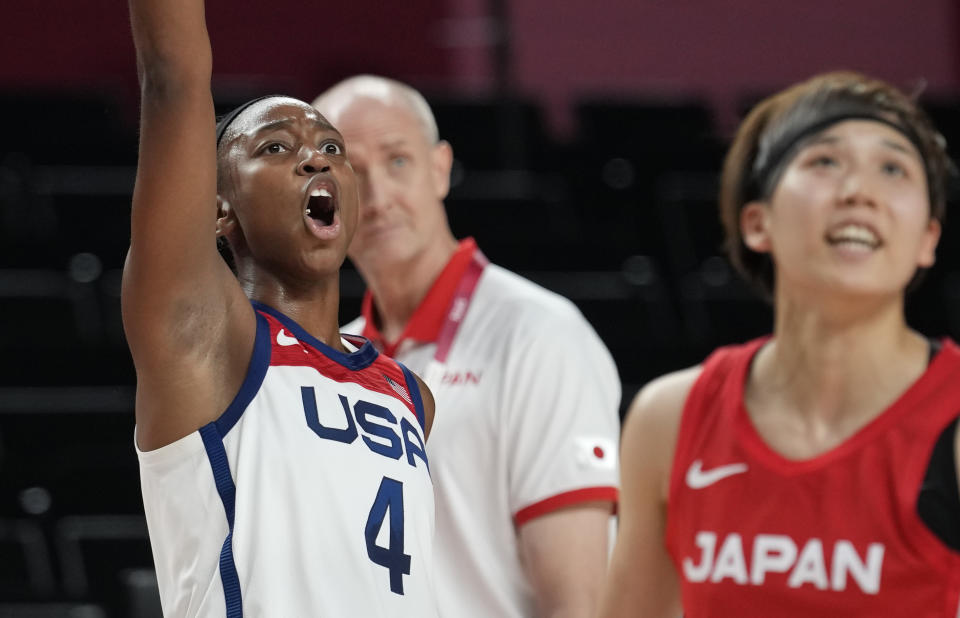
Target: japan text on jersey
838	534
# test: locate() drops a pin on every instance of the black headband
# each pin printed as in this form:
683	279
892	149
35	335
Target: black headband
774	153
225	122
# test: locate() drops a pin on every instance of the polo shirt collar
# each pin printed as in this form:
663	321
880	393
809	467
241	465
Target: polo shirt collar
425	323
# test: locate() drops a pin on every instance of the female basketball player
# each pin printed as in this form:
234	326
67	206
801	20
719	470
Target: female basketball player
283	469
810	473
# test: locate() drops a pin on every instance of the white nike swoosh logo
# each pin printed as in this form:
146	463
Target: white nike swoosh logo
283	339
698	479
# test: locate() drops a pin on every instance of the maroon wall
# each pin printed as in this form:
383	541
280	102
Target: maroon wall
563	49
725	48
300	45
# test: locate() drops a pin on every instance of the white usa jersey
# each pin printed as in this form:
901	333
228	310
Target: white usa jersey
309	497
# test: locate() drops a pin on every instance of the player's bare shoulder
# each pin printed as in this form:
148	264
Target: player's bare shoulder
652	423
429	406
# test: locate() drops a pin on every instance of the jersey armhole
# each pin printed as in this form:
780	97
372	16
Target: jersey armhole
256	371
413	387
714	371
938	503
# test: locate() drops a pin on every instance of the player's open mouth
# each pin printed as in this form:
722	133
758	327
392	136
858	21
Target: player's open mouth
321	206
854	236
321	209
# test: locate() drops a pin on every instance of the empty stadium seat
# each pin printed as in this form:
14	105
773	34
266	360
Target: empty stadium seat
26	570
51	610
96	550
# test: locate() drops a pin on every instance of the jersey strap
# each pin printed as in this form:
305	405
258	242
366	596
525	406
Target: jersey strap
414	389
257	370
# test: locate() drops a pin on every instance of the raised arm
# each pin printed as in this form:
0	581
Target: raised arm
187	322
642	582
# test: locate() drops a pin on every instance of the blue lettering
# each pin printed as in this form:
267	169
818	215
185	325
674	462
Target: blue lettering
413	448
380	438
346	436
364	409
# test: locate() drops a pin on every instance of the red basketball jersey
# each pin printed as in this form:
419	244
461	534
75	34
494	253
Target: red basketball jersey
755	534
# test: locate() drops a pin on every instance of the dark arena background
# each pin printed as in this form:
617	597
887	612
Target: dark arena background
588	138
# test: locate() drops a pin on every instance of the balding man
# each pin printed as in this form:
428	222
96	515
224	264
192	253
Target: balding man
523	452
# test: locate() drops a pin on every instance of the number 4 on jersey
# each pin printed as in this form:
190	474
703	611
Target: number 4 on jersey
389	499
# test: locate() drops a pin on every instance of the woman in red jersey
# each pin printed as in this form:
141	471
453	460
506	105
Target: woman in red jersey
813	472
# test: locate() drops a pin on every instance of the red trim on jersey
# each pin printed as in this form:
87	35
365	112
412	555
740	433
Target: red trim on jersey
425	323
567	498
370	377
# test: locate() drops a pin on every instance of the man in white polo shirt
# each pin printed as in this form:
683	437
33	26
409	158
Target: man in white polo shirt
523	452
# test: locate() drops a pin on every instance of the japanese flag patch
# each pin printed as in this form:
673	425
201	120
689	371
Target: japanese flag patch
596	452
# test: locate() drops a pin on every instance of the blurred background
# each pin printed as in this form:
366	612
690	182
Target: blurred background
588	136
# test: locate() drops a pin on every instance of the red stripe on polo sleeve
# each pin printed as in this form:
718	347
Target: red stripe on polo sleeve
568	498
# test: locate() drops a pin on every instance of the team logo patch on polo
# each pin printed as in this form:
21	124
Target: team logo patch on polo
400	390
596	452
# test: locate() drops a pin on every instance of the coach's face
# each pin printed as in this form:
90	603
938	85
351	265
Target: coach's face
403	180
